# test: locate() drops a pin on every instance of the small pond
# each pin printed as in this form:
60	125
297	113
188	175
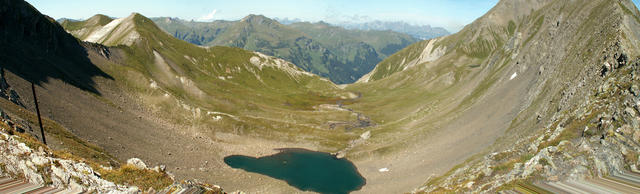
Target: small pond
304	169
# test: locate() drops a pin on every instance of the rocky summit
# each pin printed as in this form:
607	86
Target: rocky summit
539	96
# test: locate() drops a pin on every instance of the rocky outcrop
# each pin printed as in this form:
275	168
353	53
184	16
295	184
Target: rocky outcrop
39	167
137	163
600	137
580	119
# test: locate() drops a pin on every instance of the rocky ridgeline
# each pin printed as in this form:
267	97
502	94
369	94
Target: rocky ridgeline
600	137
40	167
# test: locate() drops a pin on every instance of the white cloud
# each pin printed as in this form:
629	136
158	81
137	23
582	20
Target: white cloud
208	16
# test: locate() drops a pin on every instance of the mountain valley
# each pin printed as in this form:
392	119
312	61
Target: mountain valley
533	93
333	52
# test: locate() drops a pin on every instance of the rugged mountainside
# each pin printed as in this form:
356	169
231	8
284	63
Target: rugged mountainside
334	52
143	93
529	72
78	27
534	91
422	32
373	46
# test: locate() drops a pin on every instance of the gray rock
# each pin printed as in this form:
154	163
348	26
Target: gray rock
20	160
137	163
487	170
629	111
133	189
635	90
39	160
61	175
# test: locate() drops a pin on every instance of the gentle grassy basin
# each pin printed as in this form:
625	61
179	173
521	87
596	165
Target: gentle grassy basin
304	169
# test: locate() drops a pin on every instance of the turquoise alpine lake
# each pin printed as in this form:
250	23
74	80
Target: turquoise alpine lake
304	169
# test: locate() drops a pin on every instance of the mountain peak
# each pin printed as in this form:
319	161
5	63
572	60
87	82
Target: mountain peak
98	16
257	19
323	23
99	19
118	31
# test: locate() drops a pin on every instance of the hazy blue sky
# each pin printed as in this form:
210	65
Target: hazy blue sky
450	14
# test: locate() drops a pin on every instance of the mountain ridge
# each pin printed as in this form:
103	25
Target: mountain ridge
325	58
544	93
155	91
508	75
422	32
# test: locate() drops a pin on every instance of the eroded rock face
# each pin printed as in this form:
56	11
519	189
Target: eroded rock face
586	122
41	168
607	144
38	165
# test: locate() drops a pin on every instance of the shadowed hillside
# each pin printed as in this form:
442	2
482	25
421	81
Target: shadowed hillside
38	49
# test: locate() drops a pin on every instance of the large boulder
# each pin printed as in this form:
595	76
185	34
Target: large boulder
137	163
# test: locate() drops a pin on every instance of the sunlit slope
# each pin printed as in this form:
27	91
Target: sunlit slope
220	87
333	52
510	73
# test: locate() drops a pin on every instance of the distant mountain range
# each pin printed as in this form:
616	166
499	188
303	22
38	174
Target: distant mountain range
423	32
535	95
340	54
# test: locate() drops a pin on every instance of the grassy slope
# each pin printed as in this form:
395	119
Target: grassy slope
573	98
407	105
385	43
75	27
266	101
360	49
554	55
428	96
333	52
